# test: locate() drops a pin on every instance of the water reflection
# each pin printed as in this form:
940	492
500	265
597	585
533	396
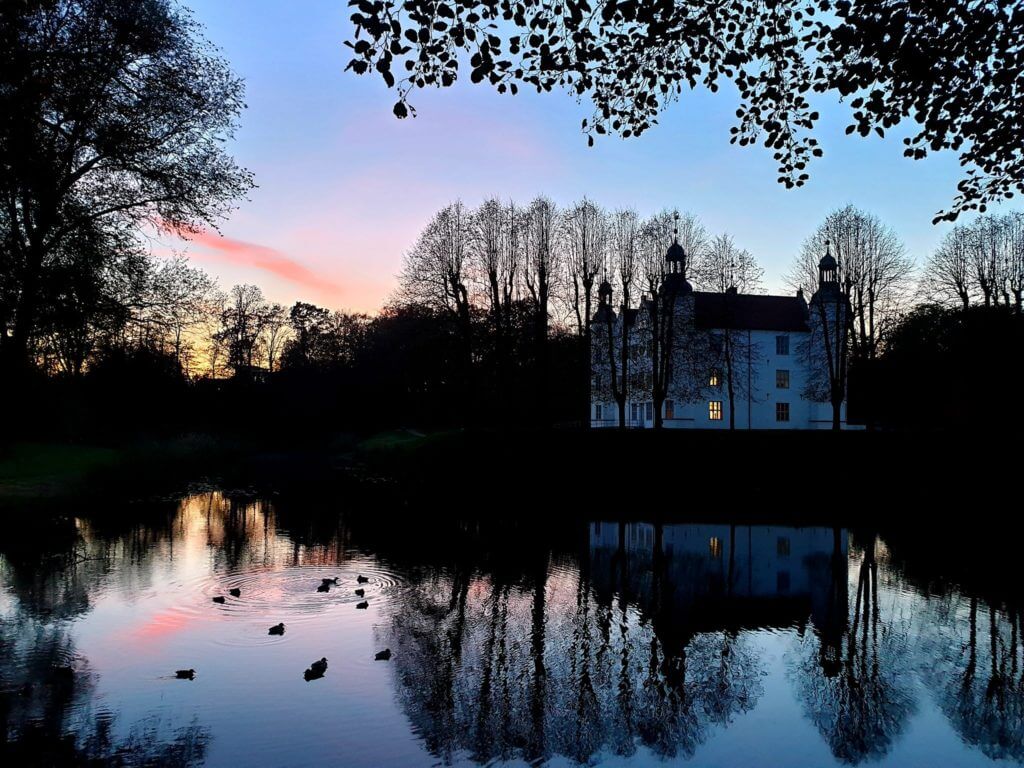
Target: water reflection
511	642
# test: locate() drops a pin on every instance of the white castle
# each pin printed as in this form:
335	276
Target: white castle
704	360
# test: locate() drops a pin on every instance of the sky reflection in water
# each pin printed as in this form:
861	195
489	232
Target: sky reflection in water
604	643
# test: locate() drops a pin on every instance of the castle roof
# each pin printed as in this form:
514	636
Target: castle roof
749	311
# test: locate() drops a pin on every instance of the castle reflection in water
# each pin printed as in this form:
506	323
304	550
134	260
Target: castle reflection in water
704	578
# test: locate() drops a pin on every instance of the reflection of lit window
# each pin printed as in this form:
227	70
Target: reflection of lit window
782	411
715	547
782	379
782	581
782	547
782	345
715	410
670	409
713	380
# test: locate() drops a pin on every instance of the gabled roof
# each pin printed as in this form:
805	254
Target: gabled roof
748	311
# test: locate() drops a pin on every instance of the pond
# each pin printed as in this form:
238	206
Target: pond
593	642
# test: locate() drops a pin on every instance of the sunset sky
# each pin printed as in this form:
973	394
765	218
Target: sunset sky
344	187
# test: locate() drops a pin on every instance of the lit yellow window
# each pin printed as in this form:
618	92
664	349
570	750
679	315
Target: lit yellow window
713	379
715	410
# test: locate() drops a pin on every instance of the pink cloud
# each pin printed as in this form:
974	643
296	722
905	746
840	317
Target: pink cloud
243	254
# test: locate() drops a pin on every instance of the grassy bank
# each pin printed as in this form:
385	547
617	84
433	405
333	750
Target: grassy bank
848	477
780	476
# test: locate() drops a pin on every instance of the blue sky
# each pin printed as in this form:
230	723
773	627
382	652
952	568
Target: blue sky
344	187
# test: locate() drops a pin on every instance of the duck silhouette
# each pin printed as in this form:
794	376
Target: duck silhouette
360	592
316	670
235	592
277	629
361	579
364	604
384	655
333	581
325	587
185	674
220	599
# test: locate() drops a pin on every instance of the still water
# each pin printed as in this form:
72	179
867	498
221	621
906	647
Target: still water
598	643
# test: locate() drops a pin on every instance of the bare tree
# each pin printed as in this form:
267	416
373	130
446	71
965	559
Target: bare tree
176	300
726	266
826	349
435	272
242	326
275	333
494	254
1013	259
982	261
543	257
947	276
674	348
623	256
584	240
542	266
875	273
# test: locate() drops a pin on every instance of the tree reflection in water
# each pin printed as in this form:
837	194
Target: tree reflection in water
856	680
642	645
512	643
48	716
975	672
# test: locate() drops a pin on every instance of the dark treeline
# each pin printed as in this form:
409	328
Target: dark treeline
489	326
451	350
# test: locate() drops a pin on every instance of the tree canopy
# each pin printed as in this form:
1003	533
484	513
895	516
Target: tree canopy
954	68
113	117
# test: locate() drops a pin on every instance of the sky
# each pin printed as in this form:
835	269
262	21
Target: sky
344	187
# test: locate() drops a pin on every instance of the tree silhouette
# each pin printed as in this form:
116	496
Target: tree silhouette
112	117
950	67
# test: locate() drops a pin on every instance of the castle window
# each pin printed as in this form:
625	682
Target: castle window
633	412
670	409
714	379
715	410
650	411
598	412
715	548
782	345
782	546
782	379
782	411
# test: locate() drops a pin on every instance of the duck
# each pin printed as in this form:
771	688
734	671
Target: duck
277	629
325	587
63	676
364	604
316	670
235	592
330	581
360	592
185	674
361	579
220	599
384	655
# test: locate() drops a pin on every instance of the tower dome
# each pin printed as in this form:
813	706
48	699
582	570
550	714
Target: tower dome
675	253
